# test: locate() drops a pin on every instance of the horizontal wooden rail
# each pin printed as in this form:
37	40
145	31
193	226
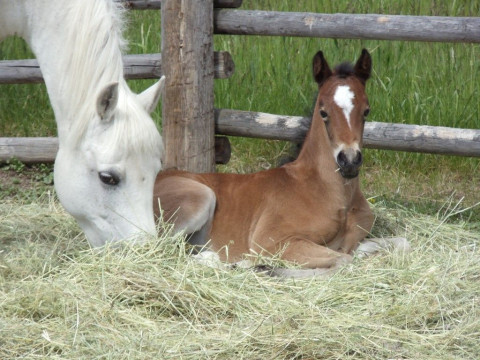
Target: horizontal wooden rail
141	66
422	138
340	26
348	26
34	150
157	4
261	125
141	4
388	136
30	150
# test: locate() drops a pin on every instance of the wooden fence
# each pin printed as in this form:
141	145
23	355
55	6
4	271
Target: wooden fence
190	121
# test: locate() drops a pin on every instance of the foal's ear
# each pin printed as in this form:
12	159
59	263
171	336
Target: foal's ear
321	70
363	67
107	101
150	97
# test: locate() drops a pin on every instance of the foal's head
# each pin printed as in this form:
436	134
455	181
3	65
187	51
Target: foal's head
343	106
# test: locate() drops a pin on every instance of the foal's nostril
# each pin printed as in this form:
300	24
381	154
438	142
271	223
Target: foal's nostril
358	159
349	162
342	160
349	159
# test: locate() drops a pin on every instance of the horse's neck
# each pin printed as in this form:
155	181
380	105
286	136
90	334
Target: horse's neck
12	18
316	152
77	51
316	159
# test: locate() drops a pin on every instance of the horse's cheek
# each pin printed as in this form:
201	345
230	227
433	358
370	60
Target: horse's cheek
72	184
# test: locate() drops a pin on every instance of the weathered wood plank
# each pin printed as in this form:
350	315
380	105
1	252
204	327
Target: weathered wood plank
29	150
141	4
348	26
138	66
223	65
33	150
421	138
399	137
20	72
188	119
156	4
260	125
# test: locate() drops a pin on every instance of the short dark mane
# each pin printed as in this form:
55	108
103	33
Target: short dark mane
344	70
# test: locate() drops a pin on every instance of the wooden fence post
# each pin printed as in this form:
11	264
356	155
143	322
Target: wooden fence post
187	62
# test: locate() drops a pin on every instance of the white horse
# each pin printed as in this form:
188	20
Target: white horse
110	150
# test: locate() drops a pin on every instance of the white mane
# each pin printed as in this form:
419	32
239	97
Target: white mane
92	61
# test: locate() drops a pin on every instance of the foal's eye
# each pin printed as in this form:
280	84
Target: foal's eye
323	114
366	112
109	178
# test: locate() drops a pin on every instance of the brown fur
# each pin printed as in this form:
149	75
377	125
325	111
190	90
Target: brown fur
306	210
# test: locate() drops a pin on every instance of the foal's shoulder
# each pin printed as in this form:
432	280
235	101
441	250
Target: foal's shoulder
169	173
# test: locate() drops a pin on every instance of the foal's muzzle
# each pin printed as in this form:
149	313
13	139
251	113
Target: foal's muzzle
349	162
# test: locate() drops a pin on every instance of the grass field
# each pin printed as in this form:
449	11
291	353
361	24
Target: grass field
60	299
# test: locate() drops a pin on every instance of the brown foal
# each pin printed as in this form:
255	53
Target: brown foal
310	211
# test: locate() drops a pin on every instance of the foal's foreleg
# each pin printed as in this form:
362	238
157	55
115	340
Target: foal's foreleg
313	256
359	223
188	205
316	260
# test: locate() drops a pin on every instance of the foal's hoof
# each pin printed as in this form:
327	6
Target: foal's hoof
300	273
342	260
209	259
400	245
373	246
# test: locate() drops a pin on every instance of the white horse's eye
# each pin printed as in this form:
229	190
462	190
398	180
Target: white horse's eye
109	178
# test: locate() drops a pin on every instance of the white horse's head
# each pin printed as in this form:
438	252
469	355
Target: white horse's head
105	171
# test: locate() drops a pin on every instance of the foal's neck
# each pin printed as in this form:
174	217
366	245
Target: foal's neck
316	160
316	153
78	46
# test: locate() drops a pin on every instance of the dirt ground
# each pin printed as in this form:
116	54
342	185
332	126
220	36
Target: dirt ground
25	182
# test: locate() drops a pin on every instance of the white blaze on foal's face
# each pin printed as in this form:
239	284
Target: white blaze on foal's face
344	99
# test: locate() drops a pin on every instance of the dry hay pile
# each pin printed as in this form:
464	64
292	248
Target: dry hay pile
59	299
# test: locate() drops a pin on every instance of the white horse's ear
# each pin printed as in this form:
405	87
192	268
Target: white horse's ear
150	97
107	101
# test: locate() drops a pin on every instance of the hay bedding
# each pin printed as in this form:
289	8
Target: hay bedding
59	299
